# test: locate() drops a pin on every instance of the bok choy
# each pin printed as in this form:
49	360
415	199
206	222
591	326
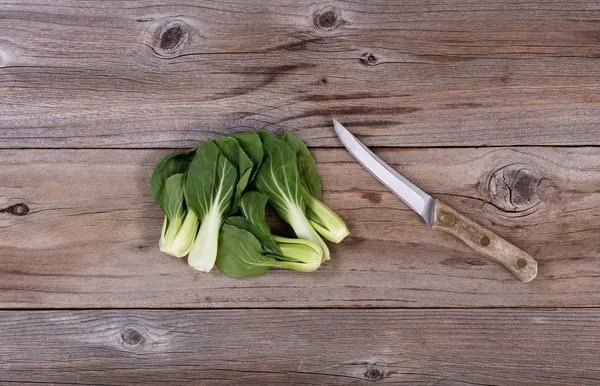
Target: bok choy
214	198
278	179
324	220
167	185
248	248
210	190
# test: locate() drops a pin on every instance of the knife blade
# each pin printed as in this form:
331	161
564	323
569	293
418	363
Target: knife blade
438	215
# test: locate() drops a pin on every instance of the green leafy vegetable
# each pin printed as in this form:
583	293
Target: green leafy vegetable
299	254
307	167
180	225
253	207
278	179
242	255
324	220
201	190
266	240
167	186
252	146
174	163
234	154
210	189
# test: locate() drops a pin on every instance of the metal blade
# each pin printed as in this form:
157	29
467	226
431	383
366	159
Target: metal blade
415	198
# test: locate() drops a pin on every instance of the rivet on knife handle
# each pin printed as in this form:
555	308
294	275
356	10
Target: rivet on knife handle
485	242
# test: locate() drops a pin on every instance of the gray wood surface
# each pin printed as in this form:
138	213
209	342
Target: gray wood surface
406	73
90	237
492	106
302	347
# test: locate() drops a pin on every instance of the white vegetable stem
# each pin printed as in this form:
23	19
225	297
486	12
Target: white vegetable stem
204	252
304	230
187	234
325	221
177	239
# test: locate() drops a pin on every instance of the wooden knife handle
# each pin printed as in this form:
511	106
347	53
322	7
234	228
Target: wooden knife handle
485	242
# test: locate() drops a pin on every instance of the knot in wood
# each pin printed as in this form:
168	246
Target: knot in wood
516	188
132	338
368	59
327	18
374	373
170	37
17	209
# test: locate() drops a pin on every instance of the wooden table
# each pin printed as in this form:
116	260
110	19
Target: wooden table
492	106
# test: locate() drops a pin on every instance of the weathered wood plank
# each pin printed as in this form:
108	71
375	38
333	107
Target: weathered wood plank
149	74
294	347
90	238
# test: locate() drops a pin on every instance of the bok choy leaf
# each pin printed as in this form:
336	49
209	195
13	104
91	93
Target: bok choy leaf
241	253
167	185
238	158
242	233
180	225
324	220
210	189
278	179
252	146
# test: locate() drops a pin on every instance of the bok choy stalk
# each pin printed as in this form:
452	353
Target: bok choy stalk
253	207
247	247
210	189
324	220
180	225
167	185
278	179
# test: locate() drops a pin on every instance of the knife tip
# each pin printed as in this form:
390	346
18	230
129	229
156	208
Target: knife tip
336	125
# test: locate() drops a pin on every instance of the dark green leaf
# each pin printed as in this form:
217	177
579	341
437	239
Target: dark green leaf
278	179
278	176
173	197
267	243
238	158
210	190
307	167
240	253
211	180
250	142
174	163
253	206
296	143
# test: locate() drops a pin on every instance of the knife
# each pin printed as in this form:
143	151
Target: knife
438	215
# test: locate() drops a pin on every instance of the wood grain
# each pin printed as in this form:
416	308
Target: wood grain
153	74
302	347
90	236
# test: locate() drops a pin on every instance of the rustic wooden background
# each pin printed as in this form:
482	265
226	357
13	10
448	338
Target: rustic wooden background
493	106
